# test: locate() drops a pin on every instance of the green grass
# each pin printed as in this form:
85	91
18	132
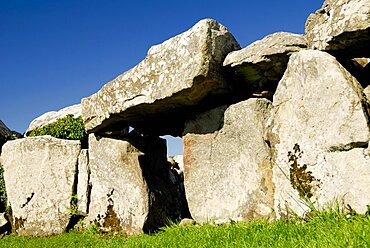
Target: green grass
329	229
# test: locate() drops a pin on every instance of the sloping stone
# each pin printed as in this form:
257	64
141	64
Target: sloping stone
131	186
341	27
319	109
262	64
4	130
52	116
177	74
39	174
5	133
227	164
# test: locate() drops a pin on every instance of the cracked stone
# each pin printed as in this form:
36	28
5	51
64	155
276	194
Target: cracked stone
320	106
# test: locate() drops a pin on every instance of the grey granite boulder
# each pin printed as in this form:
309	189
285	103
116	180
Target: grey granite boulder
227	163
40	177
319	136
262	63
175	75
341	27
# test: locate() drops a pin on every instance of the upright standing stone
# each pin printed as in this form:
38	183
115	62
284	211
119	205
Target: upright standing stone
176	74
40	174
319	109
227	163
131	186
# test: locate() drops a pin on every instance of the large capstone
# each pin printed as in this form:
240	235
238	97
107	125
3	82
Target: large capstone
174	77
261	65
40	178
341	27
131	186
319	136
227	163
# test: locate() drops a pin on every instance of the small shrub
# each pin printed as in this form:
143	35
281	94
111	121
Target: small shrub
67	127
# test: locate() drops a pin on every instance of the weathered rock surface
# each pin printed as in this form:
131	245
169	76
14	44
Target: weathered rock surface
131	186
39	174
177	74
341	27
52	116
262	64
319	106
227	164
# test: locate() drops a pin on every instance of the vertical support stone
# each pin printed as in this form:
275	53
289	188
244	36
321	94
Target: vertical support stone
227	164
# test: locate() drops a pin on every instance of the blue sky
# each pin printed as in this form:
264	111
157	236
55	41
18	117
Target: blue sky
53	53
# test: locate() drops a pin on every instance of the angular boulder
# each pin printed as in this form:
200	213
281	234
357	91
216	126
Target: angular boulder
227	163
52	116
40	175
262	64
131	189
341	27
174	76
319	134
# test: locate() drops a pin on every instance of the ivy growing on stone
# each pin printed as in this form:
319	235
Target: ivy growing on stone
67	127
302	180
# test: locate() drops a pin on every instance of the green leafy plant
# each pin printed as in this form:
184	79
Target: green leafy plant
67	127
92	229
73	209
302	180
3	196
